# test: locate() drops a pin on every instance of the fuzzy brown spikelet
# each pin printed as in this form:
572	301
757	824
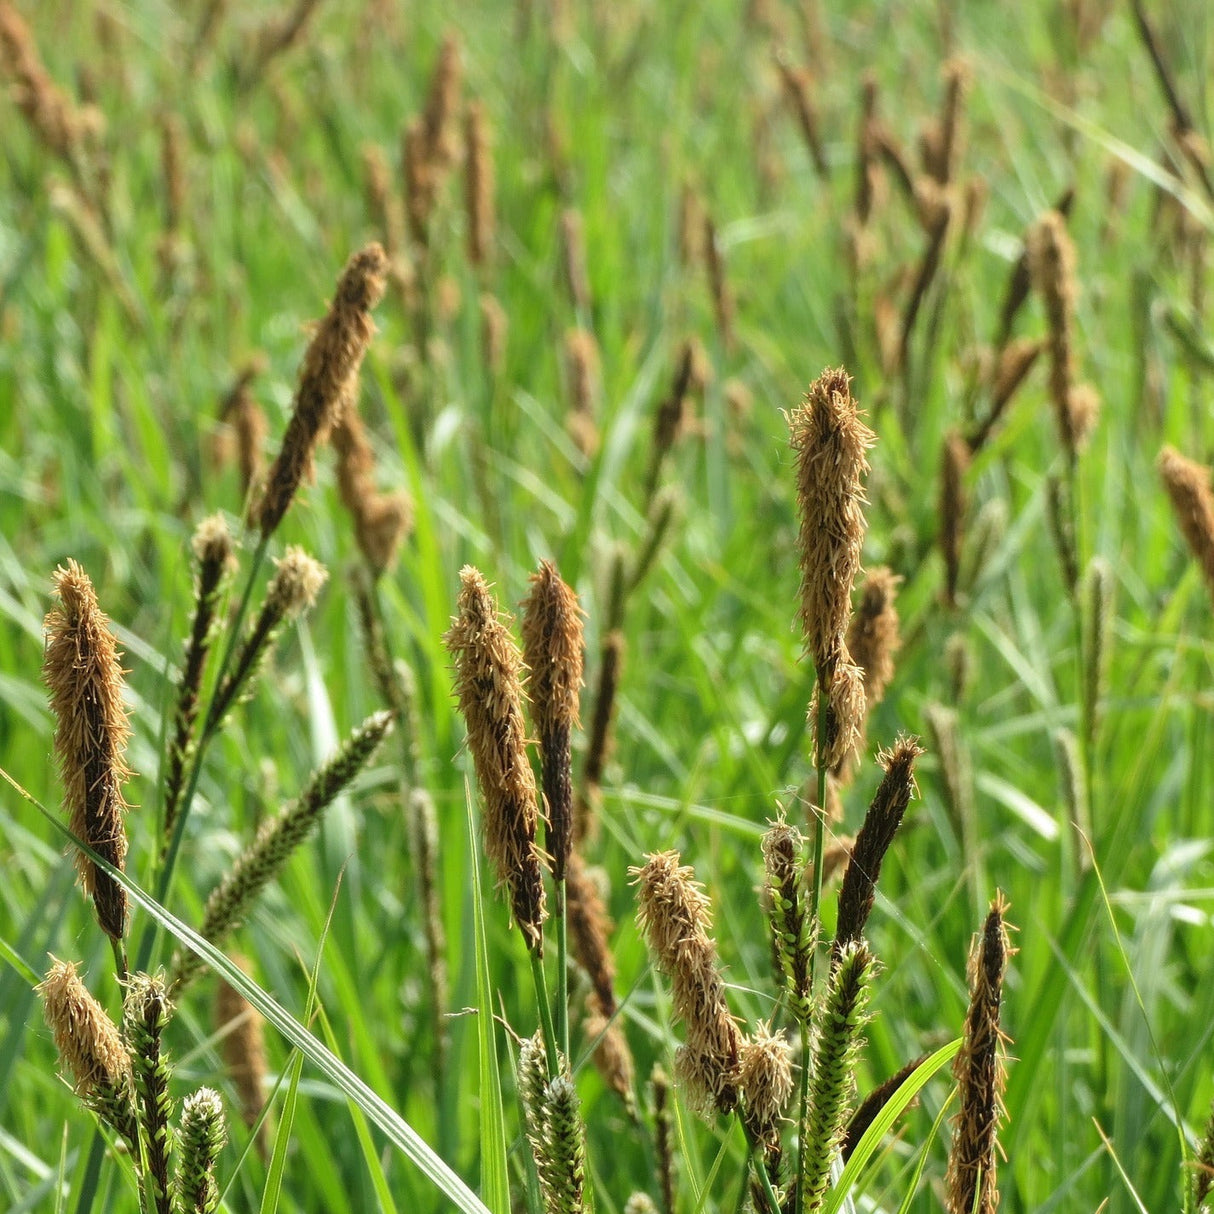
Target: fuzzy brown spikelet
553	650
979	1069
83	671
675	918
589	930
845	708
1188	485
829	440
1051	256
479	185
328	379
765	1082
487	681
90	1046
873	637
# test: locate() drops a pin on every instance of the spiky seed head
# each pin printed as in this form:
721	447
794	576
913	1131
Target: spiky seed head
82	668
553	649
212	543
487	681
88	1041
297	582
765	1082
844	723
829	441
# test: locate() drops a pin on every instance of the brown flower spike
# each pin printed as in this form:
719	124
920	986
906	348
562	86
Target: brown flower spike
487	681
327	380
83	671
1188	485
675	918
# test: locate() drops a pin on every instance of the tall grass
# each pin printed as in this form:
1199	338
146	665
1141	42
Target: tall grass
786	188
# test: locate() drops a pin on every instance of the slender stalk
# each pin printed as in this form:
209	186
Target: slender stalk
562	971
770	1200
545	1006
164	877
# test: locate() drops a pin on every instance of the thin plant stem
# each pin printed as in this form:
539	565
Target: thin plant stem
168	865
545	1005
562	968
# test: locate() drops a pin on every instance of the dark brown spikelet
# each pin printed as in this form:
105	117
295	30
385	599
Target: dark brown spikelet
244	1053
589	930
553	651
488	683
1052	264
1020	280
478	185
979	1068
328	379
276	37
956	84
1188	485
830	442
91	1048
873	637
1016	360
881	823
598	747
215	556
83	670
798	91
383	207
494	328
675	918
874	1102
954	464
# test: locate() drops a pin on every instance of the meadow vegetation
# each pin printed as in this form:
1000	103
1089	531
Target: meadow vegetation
606	606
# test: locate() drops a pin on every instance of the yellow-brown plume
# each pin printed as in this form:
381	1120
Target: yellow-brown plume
675	918
980	1072
1015	361
478	185
598	745
1188	485
765	1081
244	1053
83	670
554	651
487	680
328	379
830	442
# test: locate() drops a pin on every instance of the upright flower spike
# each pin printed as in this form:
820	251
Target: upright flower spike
146	1011
553	650
81	667
90	1047
202	1136
327	380
675	918
487	681
980	1072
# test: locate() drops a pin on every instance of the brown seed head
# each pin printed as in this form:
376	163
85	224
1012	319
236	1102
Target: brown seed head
421	180
765	1081
844	712
442	106
979	1069
295	585
1051	256
88	1041
83	671
48	110
829	440
328	379
873	637
479	185
1083	408
487	682
1188	485
212	544
589	930
954	464
798	92
722	297
675	917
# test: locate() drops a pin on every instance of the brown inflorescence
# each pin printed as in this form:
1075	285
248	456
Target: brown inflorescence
1051	255
244	1053
83	670
675	918
582	376
979	1068
553	650
488	683
873	637
1188	485
243	430
765	1082
479	185
328	379
954	464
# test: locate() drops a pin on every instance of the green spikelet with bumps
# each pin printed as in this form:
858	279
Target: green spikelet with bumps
202	1136
792	931
146	1011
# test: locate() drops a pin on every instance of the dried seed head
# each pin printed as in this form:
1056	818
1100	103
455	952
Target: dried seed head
674	916
295	585
487	682
479	185
844	724
244	1052
83	671
328	378
765	1082
213	546
980	1072
1051	257
956	85
873	637
88	1041
421	180
1188	485
798	91
383	206
829	440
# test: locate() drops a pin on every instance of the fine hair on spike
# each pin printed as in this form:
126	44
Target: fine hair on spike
83	670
